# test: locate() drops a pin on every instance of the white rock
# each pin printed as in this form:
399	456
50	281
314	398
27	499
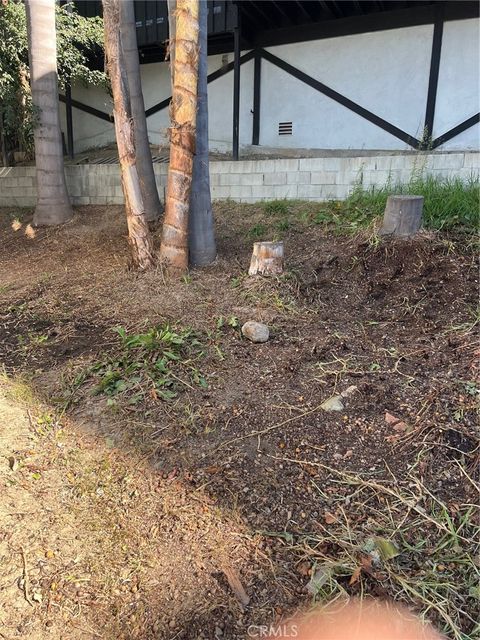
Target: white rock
333	404
255	331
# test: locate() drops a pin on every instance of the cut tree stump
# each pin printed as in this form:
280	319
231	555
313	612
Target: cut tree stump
267	258
403	216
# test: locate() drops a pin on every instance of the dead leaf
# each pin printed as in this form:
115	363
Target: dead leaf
329	517
355	576
13	463
365	566
49	553
236	585
390	418
396	423
212	469
304	568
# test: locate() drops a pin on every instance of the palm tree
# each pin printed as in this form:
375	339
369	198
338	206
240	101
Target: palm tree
183	110
128	31
53	204
201	228
138	233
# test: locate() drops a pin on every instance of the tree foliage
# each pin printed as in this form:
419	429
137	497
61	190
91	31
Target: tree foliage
78	39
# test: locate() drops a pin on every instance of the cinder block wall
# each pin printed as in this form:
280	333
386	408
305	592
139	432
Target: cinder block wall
330	178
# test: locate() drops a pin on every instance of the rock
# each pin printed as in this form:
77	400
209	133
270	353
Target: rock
349	391
333	404
255	331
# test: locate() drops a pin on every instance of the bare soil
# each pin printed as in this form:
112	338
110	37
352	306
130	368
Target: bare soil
130	519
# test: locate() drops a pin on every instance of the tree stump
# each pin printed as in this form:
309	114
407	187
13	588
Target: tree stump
403	216
267	258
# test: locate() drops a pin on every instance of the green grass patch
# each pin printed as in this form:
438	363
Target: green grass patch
449	203
276	207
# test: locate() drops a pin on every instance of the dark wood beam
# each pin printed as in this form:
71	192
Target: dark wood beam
236	92
434	71
69	116
460	128
257	83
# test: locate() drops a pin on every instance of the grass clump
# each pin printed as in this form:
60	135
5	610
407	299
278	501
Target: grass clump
153	364
449	203
276	207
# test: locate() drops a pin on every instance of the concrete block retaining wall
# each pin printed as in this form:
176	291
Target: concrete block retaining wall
328	178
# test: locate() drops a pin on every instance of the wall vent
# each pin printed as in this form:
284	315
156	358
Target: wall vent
285	128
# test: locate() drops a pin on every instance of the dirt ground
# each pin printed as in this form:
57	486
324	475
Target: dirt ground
239	500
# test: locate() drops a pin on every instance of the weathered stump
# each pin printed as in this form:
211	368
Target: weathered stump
267	258
403	216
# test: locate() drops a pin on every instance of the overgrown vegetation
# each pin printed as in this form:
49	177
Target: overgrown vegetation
153	364
450	204
78	40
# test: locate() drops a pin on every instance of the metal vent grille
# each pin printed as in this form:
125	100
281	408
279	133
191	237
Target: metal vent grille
285	128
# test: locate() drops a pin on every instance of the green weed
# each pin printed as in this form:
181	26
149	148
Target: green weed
257	231
153	363
448	202
276	207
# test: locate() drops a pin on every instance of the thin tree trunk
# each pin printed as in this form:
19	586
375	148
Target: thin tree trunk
201	229
174	247
53	204
128	31
138	233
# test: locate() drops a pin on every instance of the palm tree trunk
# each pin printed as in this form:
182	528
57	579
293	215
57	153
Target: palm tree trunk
183	109
128	31
172	7
138	234
53	204
201	228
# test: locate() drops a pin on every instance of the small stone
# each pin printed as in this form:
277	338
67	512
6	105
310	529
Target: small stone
333	404
255	331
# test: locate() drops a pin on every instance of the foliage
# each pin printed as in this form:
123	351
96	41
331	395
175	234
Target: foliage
78	39
448	202
154	364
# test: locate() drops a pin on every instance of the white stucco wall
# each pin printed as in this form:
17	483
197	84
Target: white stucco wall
385	72
458	93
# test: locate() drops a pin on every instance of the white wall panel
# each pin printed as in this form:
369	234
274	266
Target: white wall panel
458	90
